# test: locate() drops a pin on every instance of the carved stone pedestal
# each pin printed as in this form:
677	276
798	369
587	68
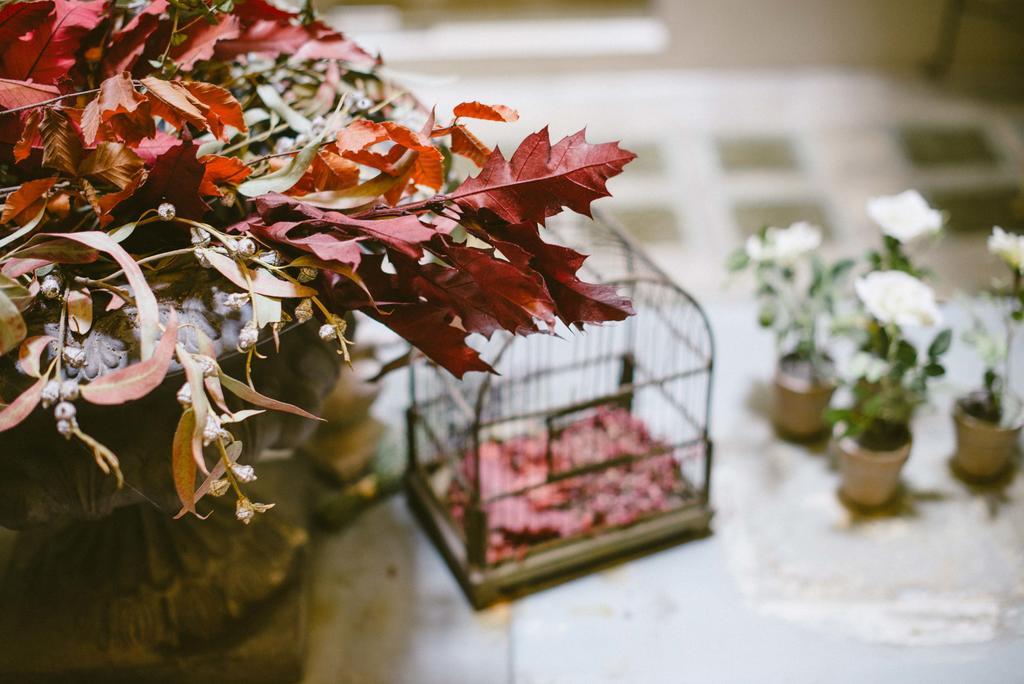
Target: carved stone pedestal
140	597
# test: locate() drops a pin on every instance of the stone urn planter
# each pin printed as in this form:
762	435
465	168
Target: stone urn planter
801	397
985	443
106	581
870	472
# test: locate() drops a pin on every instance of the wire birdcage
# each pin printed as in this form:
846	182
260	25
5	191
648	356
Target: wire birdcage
588	447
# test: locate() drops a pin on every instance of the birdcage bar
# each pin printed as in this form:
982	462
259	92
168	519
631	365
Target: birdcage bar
567	432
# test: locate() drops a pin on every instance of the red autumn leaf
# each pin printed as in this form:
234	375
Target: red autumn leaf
465	144
131	42
515	297
29	136
118	112
403	233
221	107
24	204
150	149
429	328
202	38
454	289
50	49
19	409
183	463
19	18
273	37
323	245
138	379
540	179
331	171
22	94
175	177
104	205
477	110
219	170
578	302
246	393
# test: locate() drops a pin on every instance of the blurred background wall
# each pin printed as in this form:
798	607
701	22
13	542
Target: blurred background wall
511	36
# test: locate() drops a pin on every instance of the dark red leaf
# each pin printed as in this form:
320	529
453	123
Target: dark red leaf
51	48
540	179
175	177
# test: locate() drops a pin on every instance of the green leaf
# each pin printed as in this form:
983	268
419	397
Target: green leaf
940	345
284	178
906	354
934	370
270	97
737	261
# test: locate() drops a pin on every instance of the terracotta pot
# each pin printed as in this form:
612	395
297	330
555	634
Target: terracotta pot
870	477
983	448
800	405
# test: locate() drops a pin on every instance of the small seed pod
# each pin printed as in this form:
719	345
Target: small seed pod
363	103
212	429
184	395
304	310
74	356
52	286
50	394
283	145
307	274
270	257
248	337
65	428
244	511
199	236
65	410
166	211
69	390
246	247
206	364
328	332
219	487
236	300
244	473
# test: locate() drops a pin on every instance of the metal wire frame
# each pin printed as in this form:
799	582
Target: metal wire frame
658	364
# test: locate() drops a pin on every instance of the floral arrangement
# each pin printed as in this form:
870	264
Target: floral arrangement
796	289
888	376
996	402
141	138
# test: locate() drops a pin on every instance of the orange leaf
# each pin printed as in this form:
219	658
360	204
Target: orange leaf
112	162
173	103
331	171
359	135
19	409
118	112
23	93
24	203
465	144
428	171
183	462
222	109
139	379
478	110
62	148
217	169
29	135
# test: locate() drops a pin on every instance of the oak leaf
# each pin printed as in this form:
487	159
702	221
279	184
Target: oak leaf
541	179
175	177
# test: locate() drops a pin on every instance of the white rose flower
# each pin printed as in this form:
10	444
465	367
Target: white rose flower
784	245
897	297
1008	247
905	216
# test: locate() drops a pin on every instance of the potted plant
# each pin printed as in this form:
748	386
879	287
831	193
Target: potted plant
888	377
988	420
796	290
188	187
